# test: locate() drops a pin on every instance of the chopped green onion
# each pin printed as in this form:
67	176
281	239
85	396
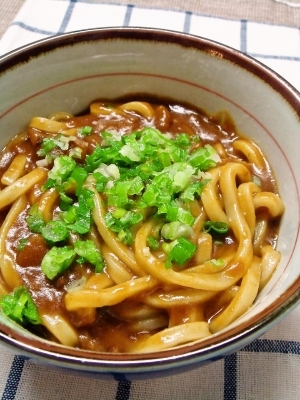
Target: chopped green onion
83	221
218	242
130	152
130	218
65	200
79	175
218	263
179	173
110	137
204	158
89	252
20	307
57	260
93	160
122	223
50	183
153	243
22	244
101	181
215	227
35	220
75	152
183	139
108	171
69	216
85	130
104	155
46	147
174	212
119	213
256	180
125	236
174	230
62	169
143	173
193	191
48	144
165	158
179	252
55	231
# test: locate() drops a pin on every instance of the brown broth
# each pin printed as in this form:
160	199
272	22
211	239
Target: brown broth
103	331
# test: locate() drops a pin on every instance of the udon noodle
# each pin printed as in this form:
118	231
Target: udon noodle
134	227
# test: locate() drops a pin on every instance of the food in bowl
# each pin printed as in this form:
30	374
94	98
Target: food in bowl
135	227
115	63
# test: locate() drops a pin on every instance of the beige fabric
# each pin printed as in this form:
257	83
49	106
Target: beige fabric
282	12
8	10
271	11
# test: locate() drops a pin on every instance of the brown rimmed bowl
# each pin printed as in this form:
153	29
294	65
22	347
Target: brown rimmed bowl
67	72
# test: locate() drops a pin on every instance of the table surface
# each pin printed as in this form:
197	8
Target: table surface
270	11
267	369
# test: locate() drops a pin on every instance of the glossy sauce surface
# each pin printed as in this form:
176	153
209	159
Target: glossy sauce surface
107	331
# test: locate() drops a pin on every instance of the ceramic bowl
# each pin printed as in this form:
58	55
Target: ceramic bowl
67	72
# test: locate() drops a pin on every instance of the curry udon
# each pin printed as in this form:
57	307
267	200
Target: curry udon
134	227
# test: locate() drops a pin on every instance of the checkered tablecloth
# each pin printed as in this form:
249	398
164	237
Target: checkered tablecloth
269	368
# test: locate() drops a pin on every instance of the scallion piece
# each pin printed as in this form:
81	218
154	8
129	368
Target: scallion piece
215	227
79	175
22	244
204	158
35	220
180	251
55	231
57	260
218	263
46	147
125	236
85	130
83	215
62	169
176	229
153	243
89	252
20	307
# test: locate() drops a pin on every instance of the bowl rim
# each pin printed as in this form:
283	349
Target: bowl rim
31	50
214	345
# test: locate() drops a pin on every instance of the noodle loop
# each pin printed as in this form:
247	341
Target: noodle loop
136	227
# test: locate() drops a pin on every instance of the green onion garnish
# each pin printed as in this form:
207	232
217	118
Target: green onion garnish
143	174
179	252
215	227
20	307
